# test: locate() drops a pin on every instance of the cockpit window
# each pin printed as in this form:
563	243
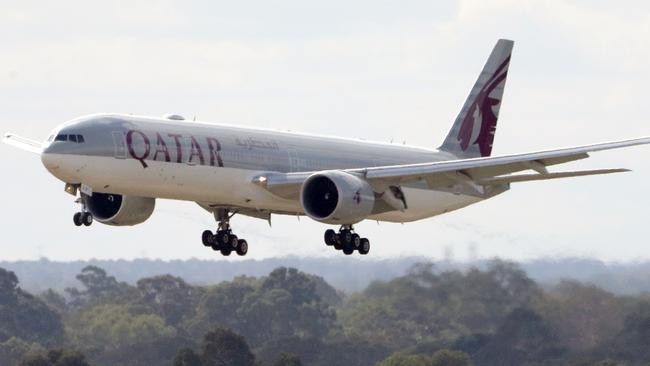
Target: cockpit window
50	139
72	138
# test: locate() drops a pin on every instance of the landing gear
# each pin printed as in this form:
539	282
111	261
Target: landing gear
347	240
84	217
224	240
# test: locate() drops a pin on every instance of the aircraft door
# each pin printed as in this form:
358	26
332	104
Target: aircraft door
293	160
119	141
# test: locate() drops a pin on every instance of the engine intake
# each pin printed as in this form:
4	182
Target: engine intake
337	197
118	210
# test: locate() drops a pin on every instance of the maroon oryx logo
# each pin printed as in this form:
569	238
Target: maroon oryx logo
480	112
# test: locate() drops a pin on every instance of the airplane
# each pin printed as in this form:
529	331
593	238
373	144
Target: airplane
117	165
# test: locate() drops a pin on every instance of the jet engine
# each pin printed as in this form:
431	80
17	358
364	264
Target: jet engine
337	197
118	210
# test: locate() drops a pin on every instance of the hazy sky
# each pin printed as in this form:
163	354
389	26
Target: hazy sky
381	70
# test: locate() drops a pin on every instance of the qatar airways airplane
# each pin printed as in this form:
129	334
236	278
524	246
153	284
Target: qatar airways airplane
118	165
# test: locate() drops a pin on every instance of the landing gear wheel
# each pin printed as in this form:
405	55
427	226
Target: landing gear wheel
207	238
242	247
223	238
347	250
234	242
330	237
346	237
364	248
226	251
337	242
356	241
77	219
87	218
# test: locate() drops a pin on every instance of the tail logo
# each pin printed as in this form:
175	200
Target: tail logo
480	121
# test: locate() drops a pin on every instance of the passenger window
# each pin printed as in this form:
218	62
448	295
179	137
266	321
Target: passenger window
80	139
73	138
61	138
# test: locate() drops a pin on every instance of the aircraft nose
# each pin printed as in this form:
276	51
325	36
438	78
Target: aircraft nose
48	158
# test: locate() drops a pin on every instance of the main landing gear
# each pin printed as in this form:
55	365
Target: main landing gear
84	217
224	240
347	240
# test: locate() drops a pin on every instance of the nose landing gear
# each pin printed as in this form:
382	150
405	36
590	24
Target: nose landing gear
84	217
347	240
224	240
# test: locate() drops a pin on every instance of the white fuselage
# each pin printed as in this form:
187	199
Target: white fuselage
216	164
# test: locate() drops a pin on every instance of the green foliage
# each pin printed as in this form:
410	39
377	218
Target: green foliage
447	357
25	316
99	288
287	359
523	338
168	296
403	359
570	307
13	350
113	326
57	357
223	347
443	357
187	357
424	305
282	305
491	316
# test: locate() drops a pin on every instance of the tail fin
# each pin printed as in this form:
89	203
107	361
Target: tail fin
472	134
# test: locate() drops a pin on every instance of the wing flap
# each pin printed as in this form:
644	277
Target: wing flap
23	143
533	177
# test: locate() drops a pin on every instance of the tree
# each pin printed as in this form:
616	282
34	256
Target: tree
523	338
187	357
64	357
288	359
168	296
223	347
427	306
447	357
403	359
25	316
115	335
99	288
13	350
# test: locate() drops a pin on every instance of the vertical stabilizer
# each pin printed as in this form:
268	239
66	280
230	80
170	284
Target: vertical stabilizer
472	134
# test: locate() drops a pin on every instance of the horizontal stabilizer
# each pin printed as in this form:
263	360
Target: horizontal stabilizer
532	177
23	143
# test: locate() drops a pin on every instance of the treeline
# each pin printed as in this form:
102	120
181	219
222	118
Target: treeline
495	315
347	274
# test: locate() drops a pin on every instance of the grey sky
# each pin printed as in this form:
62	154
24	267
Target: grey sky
381	70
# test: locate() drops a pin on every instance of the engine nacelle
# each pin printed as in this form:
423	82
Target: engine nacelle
336	197
118	210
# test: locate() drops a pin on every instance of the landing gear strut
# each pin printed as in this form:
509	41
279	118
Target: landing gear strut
347	240
224	240
84	217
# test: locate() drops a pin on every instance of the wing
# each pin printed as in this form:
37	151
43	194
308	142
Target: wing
481	171
23	143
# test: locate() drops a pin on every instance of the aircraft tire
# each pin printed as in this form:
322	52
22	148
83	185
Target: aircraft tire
87	218
330	237
77	219
242	247
208	238
364	247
